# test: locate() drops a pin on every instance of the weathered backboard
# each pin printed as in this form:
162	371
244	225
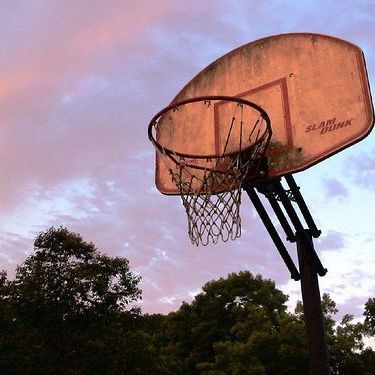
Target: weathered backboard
314	88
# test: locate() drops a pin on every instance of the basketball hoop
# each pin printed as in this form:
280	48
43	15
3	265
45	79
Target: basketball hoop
210	183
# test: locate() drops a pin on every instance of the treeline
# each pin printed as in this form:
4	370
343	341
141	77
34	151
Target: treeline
72	310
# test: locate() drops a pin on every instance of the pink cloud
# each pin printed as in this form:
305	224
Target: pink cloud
79	82
335	188
59	49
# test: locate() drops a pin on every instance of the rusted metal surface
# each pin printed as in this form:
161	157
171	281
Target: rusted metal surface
314	88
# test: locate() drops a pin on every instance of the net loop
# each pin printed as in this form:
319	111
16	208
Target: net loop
210	185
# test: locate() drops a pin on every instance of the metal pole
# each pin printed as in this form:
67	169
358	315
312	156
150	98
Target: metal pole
302	205
318	355
272	232
281	217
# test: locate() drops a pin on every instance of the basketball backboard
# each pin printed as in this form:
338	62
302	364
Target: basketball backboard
313	87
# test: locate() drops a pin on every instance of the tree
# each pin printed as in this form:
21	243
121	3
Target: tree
345	339
239	325
232	327
369	314
368	355
67	277
70	310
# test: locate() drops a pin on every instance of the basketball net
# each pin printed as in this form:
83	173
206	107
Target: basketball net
210	186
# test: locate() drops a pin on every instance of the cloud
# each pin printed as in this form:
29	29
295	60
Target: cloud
79	82
335	188
362	169
332	241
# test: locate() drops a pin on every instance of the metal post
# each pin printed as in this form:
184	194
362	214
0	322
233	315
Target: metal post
302	206
318	355
272	232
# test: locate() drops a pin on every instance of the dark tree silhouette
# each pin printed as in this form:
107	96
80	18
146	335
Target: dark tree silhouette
70	309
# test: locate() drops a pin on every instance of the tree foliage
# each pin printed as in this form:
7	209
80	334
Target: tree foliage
240	325
369	314
235	326
67	277
71	310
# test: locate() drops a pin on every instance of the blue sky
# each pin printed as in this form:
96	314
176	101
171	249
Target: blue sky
79	82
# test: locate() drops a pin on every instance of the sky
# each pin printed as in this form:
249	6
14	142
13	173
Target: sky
80	81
